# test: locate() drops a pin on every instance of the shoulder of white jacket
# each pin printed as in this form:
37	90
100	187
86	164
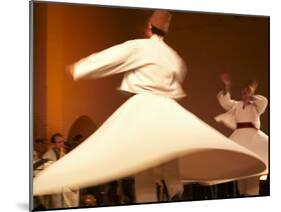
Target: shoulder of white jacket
137	43
260	97
139	40
47	154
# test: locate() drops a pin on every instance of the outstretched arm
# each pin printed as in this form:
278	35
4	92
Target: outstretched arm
110	61
224	96
225	100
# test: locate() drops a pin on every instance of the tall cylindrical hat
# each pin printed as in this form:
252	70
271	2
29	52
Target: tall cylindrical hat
253	84
161	19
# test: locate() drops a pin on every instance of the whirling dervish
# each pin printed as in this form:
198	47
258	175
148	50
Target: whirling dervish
150	131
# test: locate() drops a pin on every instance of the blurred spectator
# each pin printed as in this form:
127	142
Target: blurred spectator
55	153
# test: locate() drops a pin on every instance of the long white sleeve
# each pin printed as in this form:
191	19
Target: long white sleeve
110	61
150	65
260	103
182	74
225	100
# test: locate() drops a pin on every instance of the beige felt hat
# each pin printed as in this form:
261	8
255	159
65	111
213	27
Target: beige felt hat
161	19
253	84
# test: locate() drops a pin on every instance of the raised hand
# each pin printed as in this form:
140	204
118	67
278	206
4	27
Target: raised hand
69	70
226	80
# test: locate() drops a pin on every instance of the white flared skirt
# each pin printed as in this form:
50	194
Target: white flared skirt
254	140
145	132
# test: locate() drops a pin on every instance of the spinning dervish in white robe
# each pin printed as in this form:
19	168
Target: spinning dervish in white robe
244	118
150	130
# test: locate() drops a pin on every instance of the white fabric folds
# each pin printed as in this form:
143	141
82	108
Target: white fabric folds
145	132
254	140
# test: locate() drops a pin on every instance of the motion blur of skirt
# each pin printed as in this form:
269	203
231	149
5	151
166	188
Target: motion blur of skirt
145	132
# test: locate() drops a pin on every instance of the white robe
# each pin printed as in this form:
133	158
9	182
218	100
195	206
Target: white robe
149	66
65	197
54	200
253	139
148	130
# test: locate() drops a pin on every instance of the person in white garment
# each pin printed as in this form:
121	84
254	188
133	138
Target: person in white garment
52	155
150	136
244	117
67	197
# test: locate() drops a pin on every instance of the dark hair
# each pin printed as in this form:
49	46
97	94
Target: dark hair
157	31
40	141
78	137
53	138
253	82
